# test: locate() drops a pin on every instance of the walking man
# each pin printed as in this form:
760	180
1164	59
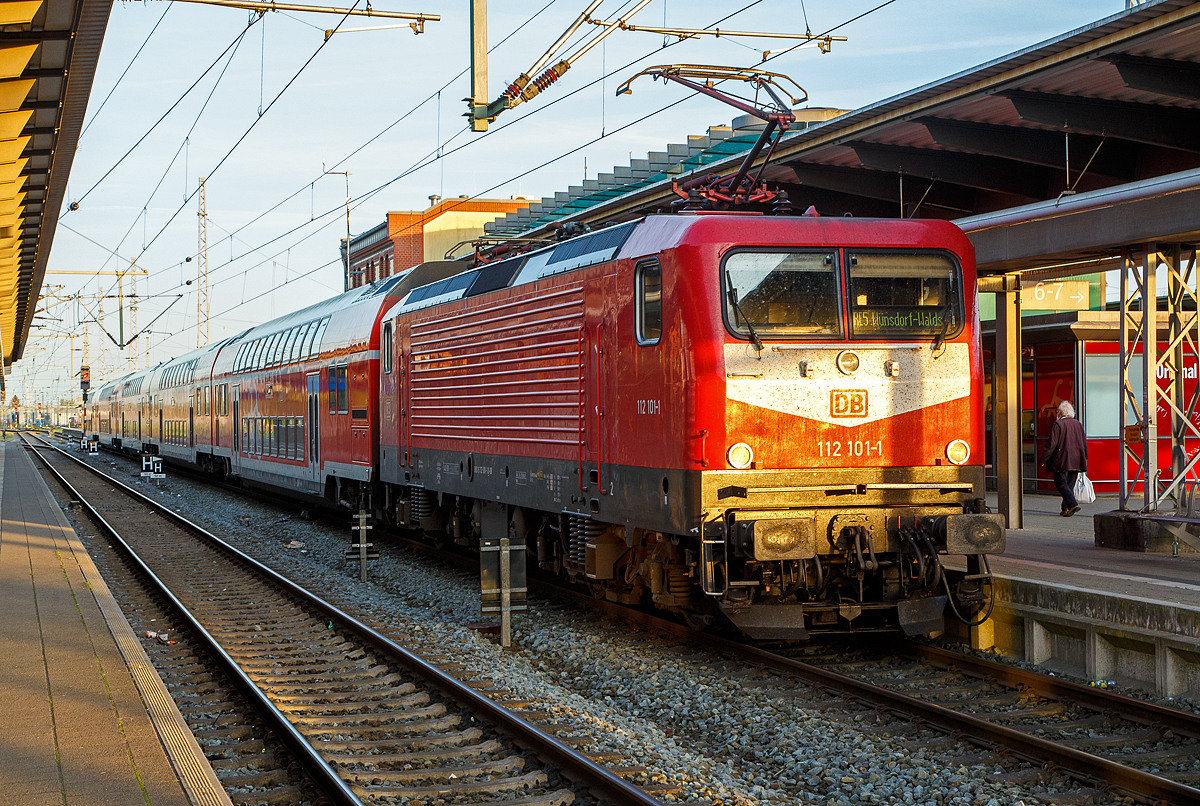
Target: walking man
1066	455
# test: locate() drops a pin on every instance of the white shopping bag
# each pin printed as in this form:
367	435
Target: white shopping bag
1084	493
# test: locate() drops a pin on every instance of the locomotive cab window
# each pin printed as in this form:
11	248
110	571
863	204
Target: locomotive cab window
914	295
648	281
781	294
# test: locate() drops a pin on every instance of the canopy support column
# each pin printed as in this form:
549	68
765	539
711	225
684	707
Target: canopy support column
1006	404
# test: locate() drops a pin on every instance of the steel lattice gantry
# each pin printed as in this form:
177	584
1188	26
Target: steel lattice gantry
1142	365
48	55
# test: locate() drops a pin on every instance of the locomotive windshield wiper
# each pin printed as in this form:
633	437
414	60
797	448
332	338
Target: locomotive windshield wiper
737	309
947	315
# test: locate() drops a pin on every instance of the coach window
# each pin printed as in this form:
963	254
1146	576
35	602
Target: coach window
298	345
277	348
255	352
387	347
268	358
306	347
343	399
288	344
289	355
648	281
331	385
319	336
281	349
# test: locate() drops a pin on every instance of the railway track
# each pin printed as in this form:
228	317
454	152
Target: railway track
1105	741
1030	724
366	719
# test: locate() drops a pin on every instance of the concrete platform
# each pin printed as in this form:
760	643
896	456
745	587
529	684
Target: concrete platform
87	720
1100	613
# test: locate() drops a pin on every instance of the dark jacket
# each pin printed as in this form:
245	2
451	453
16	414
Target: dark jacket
1066	449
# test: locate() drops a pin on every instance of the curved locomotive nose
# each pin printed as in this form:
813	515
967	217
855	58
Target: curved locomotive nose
853	419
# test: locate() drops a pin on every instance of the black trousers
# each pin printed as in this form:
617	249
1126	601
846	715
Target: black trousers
1064	482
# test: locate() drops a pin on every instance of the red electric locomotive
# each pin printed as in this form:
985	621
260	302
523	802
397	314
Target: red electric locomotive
775	420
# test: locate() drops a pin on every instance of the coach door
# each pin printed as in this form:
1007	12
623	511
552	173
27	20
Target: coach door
237	427
314	425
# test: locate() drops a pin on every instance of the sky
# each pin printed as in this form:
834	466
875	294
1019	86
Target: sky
272	114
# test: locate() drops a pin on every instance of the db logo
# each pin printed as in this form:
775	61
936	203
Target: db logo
848	403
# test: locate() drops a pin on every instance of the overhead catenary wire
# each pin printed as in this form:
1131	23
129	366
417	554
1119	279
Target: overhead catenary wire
249	129
552	160
182	148
311	185
427	160
154	126
422	164
253	124
445	153
120	78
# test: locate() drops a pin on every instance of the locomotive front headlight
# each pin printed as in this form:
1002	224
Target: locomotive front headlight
958	452
847	362
740	455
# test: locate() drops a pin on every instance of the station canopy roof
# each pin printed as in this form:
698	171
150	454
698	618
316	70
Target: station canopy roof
1100	117
48	55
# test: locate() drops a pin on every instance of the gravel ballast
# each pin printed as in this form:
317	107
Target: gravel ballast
709	728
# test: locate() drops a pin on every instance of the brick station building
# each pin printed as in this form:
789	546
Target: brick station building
406	238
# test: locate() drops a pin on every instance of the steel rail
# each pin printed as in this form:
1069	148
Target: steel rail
1145	713
1087	766
316	766
573	764
1083	766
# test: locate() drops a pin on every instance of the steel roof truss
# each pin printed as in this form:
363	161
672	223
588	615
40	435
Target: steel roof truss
1174	127
1170	77
972	170
1116	159
882	186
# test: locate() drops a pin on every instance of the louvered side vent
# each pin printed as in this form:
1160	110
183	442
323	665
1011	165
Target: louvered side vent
509	371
